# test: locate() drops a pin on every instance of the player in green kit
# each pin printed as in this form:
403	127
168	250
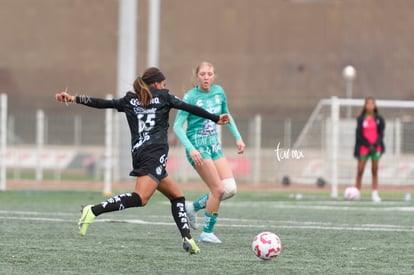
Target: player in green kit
203	149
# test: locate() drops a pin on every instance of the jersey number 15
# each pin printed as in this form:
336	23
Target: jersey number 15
146	122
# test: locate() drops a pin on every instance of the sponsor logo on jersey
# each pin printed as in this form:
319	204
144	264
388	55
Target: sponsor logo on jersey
142	138
217	98
142	110
214	109
209	128
135	101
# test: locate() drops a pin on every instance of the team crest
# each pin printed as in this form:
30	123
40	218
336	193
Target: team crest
158	171
217	98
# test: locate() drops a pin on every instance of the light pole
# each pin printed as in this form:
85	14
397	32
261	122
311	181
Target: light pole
349	74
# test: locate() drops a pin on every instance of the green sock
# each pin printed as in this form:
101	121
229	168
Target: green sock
209	221
200	202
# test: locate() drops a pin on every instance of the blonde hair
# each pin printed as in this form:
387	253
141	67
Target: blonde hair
197	70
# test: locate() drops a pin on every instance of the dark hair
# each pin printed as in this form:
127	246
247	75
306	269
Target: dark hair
141	84
364	110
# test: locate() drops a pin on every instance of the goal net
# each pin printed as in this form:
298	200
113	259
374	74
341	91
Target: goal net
328	140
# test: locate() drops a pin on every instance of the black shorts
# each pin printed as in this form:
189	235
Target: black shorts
151	161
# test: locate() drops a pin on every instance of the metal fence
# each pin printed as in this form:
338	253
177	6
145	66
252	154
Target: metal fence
59	145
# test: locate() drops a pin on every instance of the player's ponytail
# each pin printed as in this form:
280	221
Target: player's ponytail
141	84
142	91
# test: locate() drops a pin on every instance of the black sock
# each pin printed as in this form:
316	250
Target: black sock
180	216
116	203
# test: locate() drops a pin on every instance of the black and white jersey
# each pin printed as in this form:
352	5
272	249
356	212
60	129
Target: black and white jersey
147	125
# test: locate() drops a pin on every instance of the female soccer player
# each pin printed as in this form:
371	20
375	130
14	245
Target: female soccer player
204	151
147	111
369	143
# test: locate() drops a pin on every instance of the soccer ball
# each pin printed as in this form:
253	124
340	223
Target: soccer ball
266	245
352	193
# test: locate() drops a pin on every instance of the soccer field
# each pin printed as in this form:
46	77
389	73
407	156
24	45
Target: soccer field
319	236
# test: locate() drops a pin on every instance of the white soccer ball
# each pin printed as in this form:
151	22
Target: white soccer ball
352	193
266	245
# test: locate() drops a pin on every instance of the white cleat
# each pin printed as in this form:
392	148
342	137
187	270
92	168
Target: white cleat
208	238
191	215
375	197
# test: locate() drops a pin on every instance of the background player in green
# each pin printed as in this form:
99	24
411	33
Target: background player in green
203	149
147	112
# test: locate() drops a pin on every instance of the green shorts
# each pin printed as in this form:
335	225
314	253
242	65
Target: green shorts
373	155
211	151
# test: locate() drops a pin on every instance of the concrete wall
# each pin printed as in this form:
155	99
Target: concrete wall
274	57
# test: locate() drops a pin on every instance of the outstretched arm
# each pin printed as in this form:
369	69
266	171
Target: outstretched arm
198	111
64	97
99	103
179	122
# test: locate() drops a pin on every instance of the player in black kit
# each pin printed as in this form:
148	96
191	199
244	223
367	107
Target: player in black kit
147	112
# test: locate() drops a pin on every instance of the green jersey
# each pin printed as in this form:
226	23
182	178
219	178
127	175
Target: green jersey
201	131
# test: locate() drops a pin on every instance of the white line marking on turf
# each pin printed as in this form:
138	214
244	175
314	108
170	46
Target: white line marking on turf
36	213
241	223
40	219
315	206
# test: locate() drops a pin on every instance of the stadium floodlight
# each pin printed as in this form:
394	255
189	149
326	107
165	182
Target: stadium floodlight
349	74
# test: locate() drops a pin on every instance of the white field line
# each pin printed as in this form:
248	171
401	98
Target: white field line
224	222
36	213
315	206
